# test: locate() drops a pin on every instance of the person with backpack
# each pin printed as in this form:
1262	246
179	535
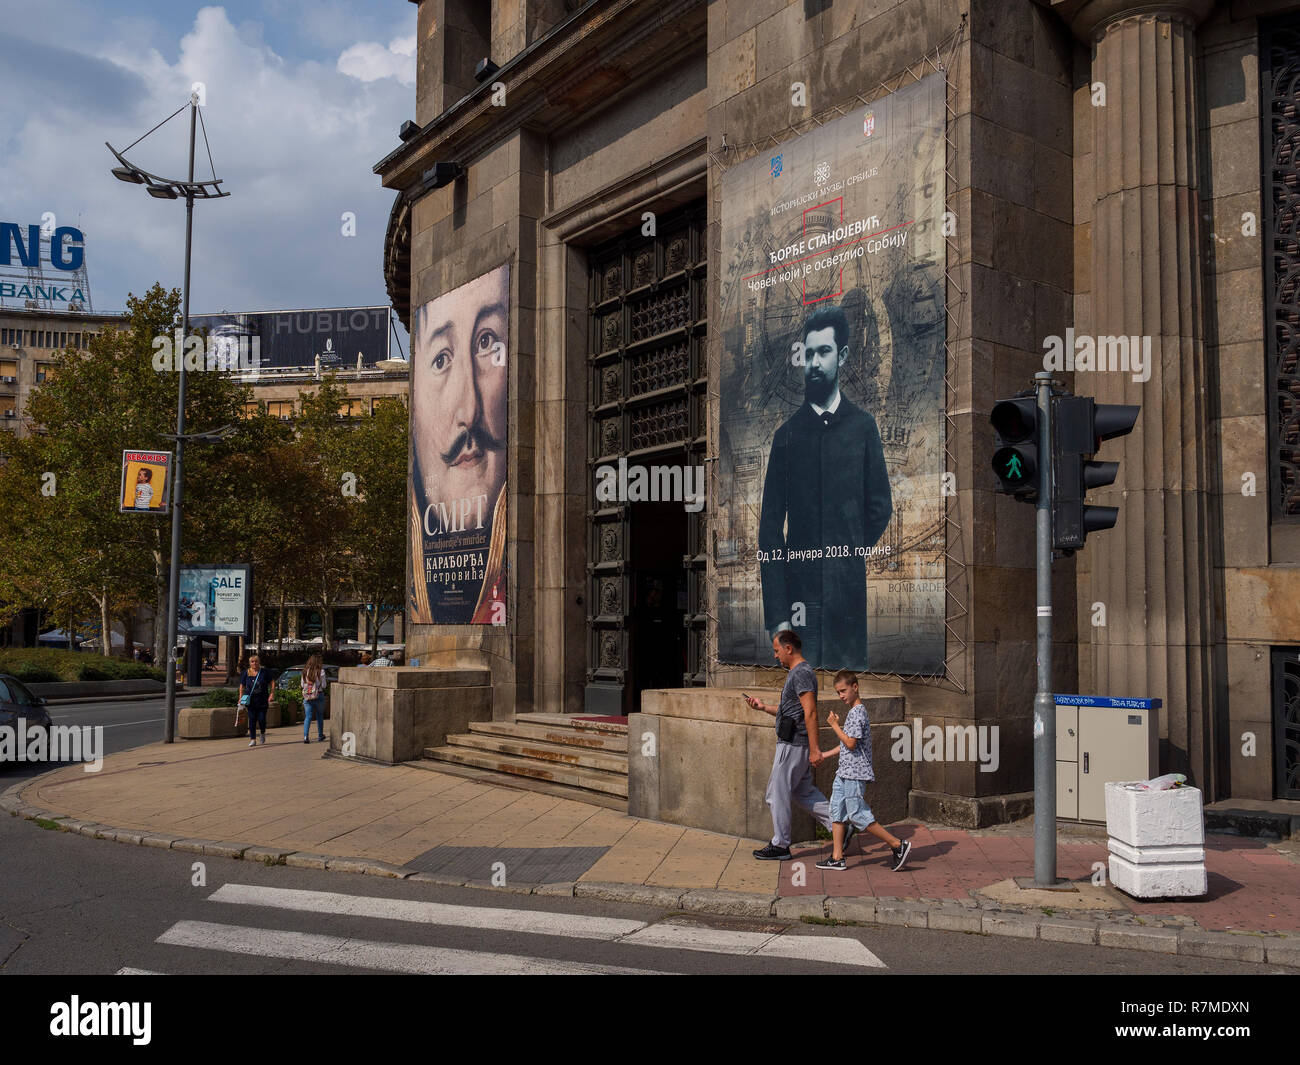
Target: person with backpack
255	690
313	699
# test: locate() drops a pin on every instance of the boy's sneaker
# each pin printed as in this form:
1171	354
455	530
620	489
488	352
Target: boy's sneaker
252	743
832	863
900	855
773	854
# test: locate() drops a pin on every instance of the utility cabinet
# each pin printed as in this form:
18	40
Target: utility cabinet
1099	740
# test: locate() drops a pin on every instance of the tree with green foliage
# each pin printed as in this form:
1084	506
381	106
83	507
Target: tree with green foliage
317	506
77	550
327	453
377	526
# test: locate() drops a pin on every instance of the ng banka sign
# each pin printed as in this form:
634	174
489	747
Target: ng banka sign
21	246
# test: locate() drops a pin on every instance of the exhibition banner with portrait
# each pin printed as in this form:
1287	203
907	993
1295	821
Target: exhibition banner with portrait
830	519
457	479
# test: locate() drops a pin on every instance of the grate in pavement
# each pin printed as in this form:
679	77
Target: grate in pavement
523	865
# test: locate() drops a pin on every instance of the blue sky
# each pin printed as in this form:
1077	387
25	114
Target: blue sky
303	97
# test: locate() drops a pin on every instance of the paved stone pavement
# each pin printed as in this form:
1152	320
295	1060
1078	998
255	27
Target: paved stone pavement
287	797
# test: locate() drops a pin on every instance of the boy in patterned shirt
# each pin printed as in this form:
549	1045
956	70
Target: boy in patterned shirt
849	810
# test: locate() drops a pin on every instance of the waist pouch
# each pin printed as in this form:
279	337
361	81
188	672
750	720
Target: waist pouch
785	728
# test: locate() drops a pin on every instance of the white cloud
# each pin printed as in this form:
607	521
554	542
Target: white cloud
295	141
368	61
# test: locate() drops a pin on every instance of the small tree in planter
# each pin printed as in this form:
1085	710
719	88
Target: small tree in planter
289	702
218	697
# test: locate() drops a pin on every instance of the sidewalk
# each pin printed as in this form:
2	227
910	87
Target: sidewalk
296	807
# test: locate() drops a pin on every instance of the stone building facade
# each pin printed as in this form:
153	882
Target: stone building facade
1113	168
28	339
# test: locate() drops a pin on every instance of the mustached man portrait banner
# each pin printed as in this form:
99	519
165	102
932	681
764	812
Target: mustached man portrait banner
459	370
831	448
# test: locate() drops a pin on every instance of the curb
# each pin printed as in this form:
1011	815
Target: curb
64	700
946	915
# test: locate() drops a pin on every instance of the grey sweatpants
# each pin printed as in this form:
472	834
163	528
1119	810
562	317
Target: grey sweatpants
791	781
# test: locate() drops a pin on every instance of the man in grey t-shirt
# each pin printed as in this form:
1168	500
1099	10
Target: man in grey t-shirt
797	752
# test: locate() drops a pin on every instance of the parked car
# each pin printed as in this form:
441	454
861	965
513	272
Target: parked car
293	678
15	702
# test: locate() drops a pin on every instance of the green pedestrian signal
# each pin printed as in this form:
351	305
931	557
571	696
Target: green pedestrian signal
1015	460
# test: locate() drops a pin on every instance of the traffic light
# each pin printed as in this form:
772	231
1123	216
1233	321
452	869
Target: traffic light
1015	459
1079	425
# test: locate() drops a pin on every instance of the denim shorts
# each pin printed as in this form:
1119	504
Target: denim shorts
849	803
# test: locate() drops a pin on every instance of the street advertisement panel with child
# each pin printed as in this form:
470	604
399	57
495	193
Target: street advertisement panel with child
145	486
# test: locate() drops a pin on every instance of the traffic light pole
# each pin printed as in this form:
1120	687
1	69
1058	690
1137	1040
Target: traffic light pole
1044	704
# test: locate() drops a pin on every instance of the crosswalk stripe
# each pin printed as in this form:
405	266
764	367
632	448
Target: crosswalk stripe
668	935
369	954
828	949
696	937
128	971
539	922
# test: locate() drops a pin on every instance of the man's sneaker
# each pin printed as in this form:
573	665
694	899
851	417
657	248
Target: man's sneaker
900	855
772	853
264	737
252	743
832	863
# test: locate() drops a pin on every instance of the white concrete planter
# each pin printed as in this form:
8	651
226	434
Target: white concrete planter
1157	841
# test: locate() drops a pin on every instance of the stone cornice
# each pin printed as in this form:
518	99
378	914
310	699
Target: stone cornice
569	74
1088	19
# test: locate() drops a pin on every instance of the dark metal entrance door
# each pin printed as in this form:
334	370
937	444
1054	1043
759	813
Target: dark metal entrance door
1286	723
647	376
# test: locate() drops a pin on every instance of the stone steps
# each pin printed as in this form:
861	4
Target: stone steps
553	734
506	780
568	721
555	753
586	758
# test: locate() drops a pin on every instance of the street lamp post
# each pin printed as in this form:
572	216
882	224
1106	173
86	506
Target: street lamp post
170	189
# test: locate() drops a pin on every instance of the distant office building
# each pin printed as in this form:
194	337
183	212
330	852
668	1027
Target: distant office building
330	338
278	390
28	341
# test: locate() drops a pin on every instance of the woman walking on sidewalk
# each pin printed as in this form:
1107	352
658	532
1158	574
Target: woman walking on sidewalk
313	699
257	685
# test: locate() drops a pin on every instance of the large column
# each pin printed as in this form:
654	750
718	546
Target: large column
1154	571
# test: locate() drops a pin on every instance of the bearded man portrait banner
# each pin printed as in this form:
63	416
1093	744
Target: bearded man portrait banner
831	516
459	374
